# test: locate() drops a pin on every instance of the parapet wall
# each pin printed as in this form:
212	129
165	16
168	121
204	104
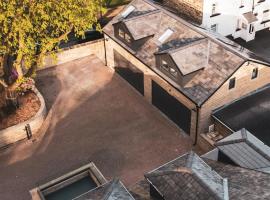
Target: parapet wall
95	47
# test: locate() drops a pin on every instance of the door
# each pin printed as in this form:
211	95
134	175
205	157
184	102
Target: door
129	72
171	107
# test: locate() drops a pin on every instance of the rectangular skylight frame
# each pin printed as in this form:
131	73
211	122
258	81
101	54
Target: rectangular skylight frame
128	11
165	36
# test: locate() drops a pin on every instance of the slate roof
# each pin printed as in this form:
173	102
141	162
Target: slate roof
243	183
223	60
113	190
246	150
250	112
250	17
188	177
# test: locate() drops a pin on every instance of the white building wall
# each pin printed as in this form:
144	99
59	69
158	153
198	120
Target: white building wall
229	16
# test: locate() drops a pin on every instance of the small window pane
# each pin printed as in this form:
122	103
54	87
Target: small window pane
254	73
214	27
121	33
173	72
128	38
164	65
232	83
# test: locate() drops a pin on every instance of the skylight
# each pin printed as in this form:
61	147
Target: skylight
127	12
168	33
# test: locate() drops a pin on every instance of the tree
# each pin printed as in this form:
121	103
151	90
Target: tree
32	29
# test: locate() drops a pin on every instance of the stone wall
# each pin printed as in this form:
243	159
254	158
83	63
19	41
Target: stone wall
95	47
244	85
17	132
190	9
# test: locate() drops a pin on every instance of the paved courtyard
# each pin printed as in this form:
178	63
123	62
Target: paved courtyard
94	116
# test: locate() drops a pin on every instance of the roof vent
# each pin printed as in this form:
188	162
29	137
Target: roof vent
168	33
127	12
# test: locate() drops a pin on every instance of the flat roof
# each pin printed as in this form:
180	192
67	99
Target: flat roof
250	112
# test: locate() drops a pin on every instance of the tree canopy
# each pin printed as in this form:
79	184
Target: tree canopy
29	29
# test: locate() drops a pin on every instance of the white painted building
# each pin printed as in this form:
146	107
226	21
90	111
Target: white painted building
239	18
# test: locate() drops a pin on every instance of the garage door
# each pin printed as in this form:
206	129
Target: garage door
133	77
171	107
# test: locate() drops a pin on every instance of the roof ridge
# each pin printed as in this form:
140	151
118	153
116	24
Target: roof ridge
151	12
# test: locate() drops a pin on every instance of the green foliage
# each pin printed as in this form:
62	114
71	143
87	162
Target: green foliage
29	29
24	85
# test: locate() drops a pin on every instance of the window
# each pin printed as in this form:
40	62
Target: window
121	33
214	7
244	26
254	73
241	3
265	14
214	27
168	33
165	65
173	72
128	38
238	26
232	83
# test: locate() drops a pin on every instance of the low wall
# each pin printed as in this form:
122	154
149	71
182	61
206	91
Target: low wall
95	47
17	132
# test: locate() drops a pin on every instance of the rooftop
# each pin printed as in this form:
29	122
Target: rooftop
242	149
113	190
251	112
224	57
188	177
242	183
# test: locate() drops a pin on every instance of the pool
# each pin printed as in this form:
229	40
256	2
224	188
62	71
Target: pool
70	185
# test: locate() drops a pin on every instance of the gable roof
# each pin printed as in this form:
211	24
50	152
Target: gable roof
223	59
113	190
246	150
188	177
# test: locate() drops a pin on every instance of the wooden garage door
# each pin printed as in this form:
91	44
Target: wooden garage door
129	72
134	78
171	107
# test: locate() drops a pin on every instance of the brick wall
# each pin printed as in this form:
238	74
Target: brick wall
149	75
191	9
78	51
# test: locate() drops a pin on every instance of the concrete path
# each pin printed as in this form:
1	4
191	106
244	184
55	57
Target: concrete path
95	116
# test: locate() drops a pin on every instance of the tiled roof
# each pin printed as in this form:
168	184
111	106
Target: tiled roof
246	150
243	183
222	60
143	25
188	177
113	190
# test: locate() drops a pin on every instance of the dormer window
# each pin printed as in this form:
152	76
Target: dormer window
165	66
121	33
168	69
124	36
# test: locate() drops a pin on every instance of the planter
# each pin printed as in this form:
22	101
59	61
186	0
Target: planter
18	132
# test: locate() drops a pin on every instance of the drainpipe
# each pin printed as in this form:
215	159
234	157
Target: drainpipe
105	50
197	124
253	6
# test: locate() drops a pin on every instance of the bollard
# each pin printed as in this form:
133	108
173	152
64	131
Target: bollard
28	131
